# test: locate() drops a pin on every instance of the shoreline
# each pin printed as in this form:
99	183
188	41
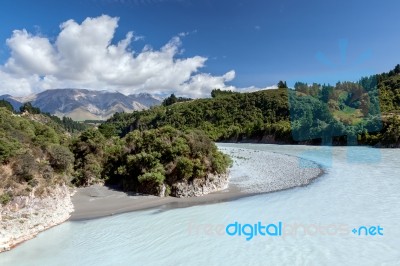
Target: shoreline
99	201
276	173
27	216
114	202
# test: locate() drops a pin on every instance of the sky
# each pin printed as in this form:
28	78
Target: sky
190	47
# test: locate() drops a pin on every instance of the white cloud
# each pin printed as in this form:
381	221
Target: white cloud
254	88
202	84
30	54
84	56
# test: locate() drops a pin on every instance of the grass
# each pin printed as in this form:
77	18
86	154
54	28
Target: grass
348	116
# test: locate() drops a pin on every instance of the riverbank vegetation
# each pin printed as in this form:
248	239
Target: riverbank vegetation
38	152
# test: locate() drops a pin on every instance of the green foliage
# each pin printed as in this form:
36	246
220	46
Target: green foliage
44	135
173	99
68	124
391	136
282	85
184	167
312	113
108	130
155	178
88	150
25	167
219	162
34	148
60	158
65	123
27	107
5	198
8	148
148	160
220	93
7	105
233	116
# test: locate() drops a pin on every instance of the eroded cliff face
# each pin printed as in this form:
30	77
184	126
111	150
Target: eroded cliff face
26	216
200	187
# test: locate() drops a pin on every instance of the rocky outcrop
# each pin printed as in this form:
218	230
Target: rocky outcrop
200	187
26	216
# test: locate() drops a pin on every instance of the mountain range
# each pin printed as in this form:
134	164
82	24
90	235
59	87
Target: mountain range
82	104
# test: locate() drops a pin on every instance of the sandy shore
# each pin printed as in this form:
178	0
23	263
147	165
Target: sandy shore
253	172
100	201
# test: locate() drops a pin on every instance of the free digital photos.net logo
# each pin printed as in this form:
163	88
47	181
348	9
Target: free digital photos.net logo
364	118
279	229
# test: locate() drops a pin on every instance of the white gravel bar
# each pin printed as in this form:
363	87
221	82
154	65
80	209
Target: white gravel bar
255	171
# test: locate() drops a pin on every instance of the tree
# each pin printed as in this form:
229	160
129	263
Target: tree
27	107
88	150
170	100
173	99
300	87
282	85
397	69
60	157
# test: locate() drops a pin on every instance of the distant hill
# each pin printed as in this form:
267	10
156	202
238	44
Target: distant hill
82	104
16	104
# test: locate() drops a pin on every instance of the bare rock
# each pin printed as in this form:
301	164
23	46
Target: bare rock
199	187
26	216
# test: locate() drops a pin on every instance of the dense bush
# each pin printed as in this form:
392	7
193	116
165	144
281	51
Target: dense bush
8	148
227	115
60	158
88	150
25	167
150	160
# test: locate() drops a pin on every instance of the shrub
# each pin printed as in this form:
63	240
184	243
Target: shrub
5	198
47	172
8	149
89	173
199	169
60	157
151	183
24	167
184	167
220	162
33	182
152	177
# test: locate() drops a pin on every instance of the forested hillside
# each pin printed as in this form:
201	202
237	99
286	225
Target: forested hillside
348	113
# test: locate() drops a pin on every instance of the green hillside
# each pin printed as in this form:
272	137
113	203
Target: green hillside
348	113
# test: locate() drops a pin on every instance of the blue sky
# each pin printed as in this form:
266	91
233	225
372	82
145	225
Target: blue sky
261	41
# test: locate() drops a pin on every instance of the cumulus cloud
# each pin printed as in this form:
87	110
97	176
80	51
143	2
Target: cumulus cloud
84	56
